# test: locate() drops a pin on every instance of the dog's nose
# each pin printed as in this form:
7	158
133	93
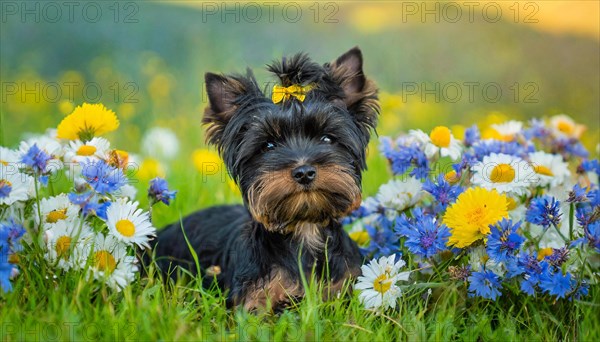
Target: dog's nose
304	174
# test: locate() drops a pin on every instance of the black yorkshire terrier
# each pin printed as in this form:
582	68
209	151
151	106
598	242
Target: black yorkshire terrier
297	158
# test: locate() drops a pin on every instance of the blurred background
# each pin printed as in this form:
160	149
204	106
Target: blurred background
436	63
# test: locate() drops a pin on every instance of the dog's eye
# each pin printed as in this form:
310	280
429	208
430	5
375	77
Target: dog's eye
327	139
269	146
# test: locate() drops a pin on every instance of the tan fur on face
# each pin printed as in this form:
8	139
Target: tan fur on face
281	204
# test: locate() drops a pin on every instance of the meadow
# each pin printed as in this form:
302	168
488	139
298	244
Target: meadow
147	66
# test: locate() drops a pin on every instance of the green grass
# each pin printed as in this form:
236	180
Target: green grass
42	307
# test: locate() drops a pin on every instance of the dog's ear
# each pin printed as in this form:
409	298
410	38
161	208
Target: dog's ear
359	93
223	91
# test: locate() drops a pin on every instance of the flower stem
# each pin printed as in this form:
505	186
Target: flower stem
571	219
559	233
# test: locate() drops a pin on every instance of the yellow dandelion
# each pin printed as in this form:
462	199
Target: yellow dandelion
87	121
150	168
207	162
469	219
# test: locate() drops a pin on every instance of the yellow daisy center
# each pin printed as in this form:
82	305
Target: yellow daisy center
565	127
63	244
512	204
105	261
382	284
543	170
86	150
361	238
440	136
56	215
502	173
126	228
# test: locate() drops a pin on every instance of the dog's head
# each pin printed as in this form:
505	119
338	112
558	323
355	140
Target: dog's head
298	160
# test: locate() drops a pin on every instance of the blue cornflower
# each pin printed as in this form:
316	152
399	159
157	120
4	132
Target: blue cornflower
581	290
405	158
578	194
472	136
591	235
424	235
36	159
504	240
486	147
383	241
90	203
590	165
570	147
102	177
556	283
5	188
537	130
594	197
5	272
10	235
529	267
159	191
485	284
13	230
524	263
583	214
544	211
443	192
558	257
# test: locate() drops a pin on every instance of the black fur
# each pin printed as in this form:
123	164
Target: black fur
260	143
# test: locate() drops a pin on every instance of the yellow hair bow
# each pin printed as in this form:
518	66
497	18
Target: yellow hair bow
281	93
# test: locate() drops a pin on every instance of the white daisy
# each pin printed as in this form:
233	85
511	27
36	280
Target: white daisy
61	241
400	194
440	140
563	126
78	151
377	285
548	169
55	209
160	143
8	156
109	262
501	172
508	131
14	186
129	224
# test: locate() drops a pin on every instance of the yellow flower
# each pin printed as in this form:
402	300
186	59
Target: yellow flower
360	237
544	252
440	136
469	219
150	168
87	121
207	162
